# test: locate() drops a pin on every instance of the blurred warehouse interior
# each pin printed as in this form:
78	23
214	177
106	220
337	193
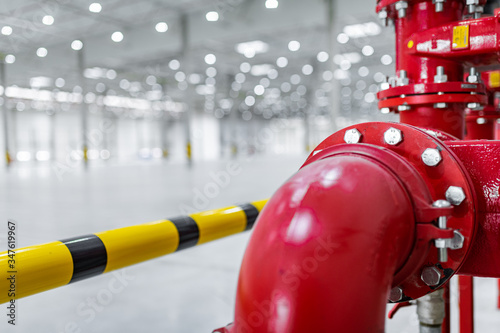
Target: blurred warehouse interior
126	81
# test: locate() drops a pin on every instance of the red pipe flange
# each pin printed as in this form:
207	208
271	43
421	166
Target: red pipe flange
411	143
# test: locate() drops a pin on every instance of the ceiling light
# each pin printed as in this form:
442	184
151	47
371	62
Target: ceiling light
212	16
95	7
259	90
250	49
174	64
48	20
40	82
307	69
211	72
386	59
60	82
117	37
273	74
250	100
323	56
282	62
6	30
180	76
271	4
10	59
260	70
245	67
361	30
42	52
77	45
367	50
194	78
111	74
161	27
210	59
342	38
294	46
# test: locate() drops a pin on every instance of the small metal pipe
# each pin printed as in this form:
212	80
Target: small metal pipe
431	312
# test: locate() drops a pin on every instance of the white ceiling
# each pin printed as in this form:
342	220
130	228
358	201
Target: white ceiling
144	51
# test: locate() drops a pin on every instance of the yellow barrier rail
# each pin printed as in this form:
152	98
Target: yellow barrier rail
43	267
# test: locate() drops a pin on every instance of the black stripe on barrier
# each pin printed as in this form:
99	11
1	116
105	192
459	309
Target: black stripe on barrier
89	256
251	212
189	233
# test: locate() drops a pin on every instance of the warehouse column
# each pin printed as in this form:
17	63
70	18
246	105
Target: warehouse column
189	97
83	110
5	113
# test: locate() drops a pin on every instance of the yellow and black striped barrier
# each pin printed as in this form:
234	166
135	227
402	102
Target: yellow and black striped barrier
48	266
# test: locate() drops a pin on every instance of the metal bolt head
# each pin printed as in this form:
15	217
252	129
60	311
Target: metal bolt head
393	136
473	75
440	105
431	157
382	15
474	106
396	294
404	108
481	121
440	76
431	276
401	8
439	5
352	136
455	195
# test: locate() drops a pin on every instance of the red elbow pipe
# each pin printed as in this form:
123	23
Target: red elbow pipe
325	250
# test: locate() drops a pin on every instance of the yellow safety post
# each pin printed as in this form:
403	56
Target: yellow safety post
189	151
43	267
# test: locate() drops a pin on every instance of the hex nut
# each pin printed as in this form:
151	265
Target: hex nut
440	105
431	276
457	242
431	157
352	136
404	108
396	294
455	195
393	136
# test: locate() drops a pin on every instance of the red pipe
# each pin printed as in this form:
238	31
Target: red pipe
466	303
498	304
446	328
327	245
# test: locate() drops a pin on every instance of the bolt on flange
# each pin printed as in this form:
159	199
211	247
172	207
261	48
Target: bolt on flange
431	276
352	136
455	195
431	157
393	136
396	294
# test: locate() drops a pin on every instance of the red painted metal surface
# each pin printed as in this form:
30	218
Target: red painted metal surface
466	304
437	180
294	291
314	253
482	160
481	125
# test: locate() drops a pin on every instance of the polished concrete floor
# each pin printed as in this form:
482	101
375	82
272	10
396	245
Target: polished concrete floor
188	292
